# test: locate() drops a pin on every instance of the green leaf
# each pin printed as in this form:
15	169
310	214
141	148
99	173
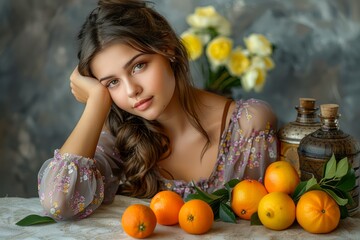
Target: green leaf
200	194
303	187
343	212
344	194
299	190
330	168
342	168
215	206
232	183
315	187
255	220
221	192
226	213
205	195
340	193
339	200
310	183
216	203
35	219
347	182
192	196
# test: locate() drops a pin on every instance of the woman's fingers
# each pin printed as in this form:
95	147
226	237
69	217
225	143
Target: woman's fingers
78	89
82	87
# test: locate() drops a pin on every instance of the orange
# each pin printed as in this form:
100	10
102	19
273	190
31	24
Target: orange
196	217
138	221
317	212
276	211
246	196
281	176
166	206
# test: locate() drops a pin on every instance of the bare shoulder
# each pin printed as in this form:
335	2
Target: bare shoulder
213	107
211	102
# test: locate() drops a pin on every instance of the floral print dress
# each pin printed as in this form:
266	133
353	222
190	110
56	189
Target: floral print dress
72	187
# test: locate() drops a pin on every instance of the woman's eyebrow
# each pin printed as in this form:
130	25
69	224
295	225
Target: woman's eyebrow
125	66
105	78
132	60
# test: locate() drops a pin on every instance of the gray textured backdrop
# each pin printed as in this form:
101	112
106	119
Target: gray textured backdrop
318	53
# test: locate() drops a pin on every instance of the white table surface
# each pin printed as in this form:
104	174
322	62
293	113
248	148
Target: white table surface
105	224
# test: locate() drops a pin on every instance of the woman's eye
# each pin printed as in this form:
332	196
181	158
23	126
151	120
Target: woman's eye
138	67
112	83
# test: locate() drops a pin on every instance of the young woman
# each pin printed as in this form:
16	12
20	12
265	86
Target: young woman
145	128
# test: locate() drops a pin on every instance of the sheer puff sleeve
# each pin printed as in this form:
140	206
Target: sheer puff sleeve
250	143
72	187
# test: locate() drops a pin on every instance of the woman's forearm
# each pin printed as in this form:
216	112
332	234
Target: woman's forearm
85	136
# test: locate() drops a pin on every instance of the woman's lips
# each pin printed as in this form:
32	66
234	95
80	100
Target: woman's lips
143	104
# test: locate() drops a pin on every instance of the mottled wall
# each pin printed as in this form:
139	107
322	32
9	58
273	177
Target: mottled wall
318	53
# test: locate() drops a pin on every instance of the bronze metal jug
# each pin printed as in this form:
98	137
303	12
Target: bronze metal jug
291	133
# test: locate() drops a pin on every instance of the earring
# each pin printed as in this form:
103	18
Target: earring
172	59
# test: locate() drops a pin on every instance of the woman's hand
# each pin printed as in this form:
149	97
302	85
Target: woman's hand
85	87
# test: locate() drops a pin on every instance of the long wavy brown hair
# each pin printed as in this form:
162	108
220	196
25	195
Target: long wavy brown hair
141	143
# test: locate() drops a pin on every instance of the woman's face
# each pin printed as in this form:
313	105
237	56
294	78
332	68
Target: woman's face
141	84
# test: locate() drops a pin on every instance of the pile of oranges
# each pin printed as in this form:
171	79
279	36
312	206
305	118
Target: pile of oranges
167	208
316	211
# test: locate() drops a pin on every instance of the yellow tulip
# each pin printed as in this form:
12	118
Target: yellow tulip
254	79
260	81
193	45
258	44
238	62
205	17
218	50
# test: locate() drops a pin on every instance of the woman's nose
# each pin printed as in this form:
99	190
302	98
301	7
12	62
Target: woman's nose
132	88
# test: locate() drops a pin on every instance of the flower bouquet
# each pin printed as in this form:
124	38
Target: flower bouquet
224	65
